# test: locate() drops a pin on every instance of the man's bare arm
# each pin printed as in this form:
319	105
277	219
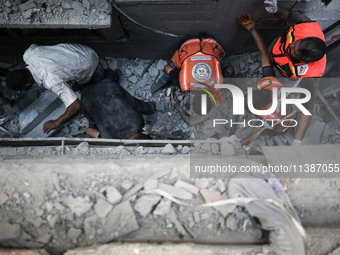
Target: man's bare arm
72	110
265	57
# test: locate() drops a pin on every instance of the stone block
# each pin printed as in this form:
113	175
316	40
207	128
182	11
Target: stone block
145	204
175	191
187	186
3	198
169	149
163	208
151	184
102	208
112	194
9	231
210	196
78	205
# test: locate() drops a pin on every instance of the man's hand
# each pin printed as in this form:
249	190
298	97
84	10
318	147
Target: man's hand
50	125
270	6
246	21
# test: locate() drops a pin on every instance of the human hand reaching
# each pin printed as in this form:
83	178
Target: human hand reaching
50	125
246	21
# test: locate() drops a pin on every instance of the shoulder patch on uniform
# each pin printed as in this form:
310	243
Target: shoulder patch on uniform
302	69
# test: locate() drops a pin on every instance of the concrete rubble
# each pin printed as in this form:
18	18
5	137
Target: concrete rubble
101	216
55	14
137	77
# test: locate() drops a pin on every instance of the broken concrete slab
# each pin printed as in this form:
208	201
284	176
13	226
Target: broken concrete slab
150	185
187	186
231	223
78	205
39	105
64	15
210	196
145	204
169	149
174	191
226	148
120	221
224	210
178	224
74	234
202	183
336	252
3	198
90	225
314	132
37	131
112	194
102	208
163	208
9	231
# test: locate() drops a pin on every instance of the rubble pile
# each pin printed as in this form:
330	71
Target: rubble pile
102	208
137	76
54	14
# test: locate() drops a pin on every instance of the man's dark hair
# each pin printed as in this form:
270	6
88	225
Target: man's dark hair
311	49
142	136
17	79
260	99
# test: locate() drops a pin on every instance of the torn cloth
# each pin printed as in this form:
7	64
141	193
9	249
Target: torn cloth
287	237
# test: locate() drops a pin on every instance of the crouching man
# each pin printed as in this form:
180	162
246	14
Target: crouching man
113	113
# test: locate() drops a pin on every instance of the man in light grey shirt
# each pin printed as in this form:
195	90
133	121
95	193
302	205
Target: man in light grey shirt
55	68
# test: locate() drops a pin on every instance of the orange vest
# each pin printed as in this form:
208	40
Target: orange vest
298	70
199	63
269	83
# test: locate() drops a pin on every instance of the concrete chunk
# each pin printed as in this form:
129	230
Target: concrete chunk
174	191
178	224
202	183
78	205
160	64
112	194
90	225
226	148
102	208
73	234
169	149
120	221
163	208
78	7
145	204
187	186
150	185
3	198
27	5
210	196
231	223
9	231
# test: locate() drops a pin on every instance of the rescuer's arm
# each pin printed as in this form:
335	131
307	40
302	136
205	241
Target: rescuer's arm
72	110
247	22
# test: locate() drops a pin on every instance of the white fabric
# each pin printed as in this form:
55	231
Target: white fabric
287	237
296	142
271	6
54	66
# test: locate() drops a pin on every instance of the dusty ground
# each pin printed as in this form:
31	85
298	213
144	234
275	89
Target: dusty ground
57	203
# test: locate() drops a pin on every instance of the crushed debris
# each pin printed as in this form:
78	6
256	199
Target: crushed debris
137	77
55	14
